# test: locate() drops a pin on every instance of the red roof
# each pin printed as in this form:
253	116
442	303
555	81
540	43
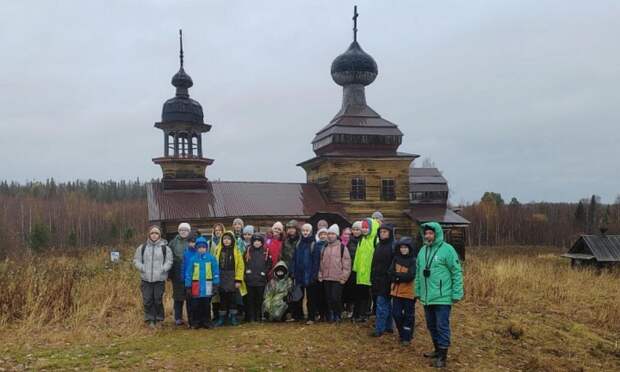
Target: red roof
220	199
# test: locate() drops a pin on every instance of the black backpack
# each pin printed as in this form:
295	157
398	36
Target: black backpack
163	251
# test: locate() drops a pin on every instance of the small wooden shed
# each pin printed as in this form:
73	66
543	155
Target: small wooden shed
601	250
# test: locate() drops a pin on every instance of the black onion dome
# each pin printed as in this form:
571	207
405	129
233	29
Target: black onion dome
182	107
354	67
182	80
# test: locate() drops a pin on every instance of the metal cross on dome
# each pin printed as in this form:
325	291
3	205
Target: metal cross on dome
355	15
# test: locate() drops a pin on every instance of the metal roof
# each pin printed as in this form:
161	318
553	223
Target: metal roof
237	199
426	175
603	247
428	213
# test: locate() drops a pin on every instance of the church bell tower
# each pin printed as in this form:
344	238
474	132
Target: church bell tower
182	122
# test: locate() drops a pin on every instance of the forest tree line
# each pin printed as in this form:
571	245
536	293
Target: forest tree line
36	216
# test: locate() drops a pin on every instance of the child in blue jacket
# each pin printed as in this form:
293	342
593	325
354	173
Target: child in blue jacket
202	276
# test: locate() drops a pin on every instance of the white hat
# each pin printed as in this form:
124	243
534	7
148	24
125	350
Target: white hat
357	225
238	220
334	229
307	226
184	226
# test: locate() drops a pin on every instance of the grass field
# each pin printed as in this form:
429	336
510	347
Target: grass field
525	309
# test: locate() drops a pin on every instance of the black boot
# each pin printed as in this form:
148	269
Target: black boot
442	356
432	354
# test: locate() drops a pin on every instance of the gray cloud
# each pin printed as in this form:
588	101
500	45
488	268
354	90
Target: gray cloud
516	97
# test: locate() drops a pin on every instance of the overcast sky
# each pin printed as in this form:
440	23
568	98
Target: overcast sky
517	97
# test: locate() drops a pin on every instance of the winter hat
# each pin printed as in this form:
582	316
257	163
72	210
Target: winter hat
334	229
307	226
291	223
184	226
377	215
238	220
154	228
278	224
357	225
193	236
256	237
249	229
322	222
201	242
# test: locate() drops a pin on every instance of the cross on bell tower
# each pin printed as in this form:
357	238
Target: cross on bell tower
182	121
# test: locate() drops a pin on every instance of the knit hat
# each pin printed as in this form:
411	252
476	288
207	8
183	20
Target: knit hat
321	230
278	224
334	229
193	236
291	223
260	237
249	229
238	220
377	215
202	242
357	225
306	226
184	226
154	228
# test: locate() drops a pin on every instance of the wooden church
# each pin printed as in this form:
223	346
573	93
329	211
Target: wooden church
357	169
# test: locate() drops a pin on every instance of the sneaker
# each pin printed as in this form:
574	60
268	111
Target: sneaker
179	322
310	322
151	324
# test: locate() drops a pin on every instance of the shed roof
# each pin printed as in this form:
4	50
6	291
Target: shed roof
428	213
605	248
237	199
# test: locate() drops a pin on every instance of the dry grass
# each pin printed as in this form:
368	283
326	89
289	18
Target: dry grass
525	309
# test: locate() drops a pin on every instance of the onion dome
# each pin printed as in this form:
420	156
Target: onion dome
181	108
354	66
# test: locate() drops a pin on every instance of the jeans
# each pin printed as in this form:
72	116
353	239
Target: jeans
178	309
333	294
152	295
438	324
384	314
403	311
254	304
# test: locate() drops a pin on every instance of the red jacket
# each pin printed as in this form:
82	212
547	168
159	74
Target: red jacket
274	248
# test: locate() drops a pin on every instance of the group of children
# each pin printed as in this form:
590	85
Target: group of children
270	277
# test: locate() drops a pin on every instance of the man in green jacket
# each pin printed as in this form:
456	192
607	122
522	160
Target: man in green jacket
439	284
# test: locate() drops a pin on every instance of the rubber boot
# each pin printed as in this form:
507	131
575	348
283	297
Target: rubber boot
233	318
432	354
221	319
442	356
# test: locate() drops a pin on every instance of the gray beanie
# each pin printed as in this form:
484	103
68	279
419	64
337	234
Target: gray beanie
377	215
249	229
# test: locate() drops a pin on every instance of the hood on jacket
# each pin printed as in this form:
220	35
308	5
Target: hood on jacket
436	227
390	228
282	265
405	240
232	237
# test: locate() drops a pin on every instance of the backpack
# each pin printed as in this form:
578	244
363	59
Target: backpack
163	251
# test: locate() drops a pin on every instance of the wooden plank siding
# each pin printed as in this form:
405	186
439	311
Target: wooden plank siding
334	179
